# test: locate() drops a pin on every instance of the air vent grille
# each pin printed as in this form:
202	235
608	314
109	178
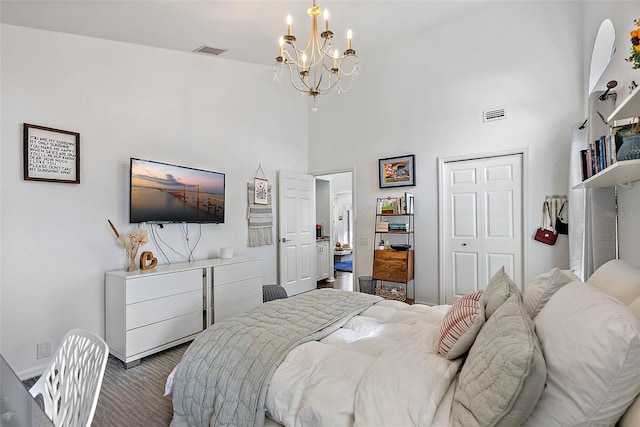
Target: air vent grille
210	50
494	114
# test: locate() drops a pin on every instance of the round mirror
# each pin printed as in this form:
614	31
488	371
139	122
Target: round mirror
603	50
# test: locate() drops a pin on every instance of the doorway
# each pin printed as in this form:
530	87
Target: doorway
335	217
481	214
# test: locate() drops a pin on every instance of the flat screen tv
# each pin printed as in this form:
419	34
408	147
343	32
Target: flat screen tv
165	193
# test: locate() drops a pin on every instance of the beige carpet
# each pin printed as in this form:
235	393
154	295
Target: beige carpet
134	397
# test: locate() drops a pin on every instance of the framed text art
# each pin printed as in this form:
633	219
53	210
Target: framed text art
261	193
397	171
51	154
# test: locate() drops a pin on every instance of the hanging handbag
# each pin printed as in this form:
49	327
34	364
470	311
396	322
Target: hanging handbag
562	225
543	234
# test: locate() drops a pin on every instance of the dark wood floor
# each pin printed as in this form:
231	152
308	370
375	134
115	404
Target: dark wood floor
343	280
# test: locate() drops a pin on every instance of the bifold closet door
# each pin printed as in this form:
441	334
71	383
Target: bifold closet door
482	222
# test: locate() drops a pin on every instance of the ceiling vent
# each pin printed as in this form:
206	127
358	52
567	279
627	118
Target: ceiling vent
210	50
495	114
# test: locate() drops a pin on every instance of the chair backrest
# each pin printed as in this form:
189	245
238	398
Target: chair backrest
71	383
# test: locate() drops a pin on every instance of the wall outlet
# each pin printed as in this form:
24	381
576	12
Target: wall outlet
43	349
364	241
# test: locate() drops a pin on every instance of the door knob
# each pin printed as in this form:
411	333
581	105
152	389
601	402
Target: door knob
284	240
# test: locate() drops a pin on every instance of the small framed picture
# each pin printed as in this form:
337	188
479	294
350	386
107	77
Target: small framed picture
261	191
51	154
397	171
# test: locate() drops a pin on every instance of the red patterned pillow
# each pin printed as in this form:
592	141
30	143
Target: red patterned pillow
461	325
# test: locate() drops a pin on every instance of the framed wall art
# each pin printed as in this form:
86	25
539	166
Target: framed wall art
51	155
397	171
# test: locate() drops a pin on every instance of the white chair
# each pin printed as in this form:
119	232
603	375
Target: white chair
71	383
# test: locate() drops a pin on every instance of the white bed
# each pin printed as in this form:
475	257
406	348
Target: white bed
575	363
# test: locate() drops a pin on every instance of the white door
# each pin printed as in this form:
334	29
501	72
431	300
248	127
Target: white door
482	223
296	231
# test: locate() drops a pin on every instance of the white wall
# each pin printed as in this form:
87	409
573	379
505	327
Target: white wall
425	96
125	101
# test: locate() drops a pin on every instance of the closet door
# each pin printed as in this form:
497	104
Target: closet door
482	223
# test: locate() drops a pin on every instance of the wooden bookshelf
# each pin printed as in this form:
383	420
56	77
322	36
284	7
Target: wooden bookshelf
620	173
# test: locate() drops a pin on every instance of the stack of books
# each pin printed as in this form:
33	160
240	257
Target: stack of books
601	153
395	226
382	226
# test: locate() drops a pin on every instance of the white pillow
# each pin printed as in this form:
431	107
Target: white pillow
635	307
461	326
631	418
591	343
618	279
537	293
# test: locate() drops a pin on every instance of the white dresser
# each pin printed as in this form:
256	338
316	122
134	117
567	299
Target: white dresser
150	310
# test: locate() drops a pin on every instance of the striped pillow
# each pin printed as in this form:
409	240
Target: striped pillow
461	325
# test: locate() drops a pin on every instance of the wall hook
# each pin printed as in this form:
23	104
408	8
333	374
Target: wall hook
610	85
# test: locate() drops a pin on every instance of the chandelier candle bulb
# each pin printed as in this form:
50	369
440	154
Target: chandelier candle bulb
326	20
304	62
289	21
281	43
349	37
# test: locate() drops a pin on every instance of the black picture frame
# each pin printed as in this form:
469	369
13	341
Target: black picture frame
51	155
399	171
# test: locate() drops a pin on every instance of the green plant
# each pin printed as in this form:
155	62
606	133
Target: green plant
634	56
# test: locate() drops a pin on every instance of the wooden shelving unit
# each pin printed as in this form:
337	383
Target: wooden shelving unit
395	267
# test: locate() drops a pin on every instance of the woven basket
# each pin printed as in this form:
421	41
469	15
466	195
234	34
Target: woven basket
393	294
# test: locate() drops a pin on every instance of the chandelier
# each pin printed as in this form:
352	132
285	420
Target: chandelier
317	69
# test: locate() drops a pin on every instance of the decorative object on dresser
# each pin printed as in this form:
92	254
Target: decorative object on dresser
51	155
397	171
150	310
131	243
147	260
393	258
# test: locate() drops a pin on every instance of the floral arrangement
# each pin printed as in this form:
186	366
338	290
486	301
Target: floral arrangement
131	243
634	57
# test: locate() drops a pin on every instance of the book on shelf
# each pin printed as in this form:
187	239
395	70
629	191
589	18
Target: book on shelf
600	153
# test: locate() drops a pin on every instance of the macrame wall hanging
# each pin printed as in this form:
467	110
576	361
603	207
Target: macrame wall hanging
259	213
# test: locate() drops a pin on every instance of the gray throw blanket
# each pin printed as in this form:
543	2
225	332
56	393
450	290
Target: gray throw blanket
221	378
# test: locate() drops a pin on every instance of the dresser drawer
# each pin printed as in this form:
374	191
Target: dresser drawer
235	272
162	285
156	310
224	311
393	266
234	291
161	333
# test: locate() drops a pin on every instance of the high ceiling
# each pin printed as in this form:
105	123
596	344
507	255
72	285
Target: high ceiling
248	30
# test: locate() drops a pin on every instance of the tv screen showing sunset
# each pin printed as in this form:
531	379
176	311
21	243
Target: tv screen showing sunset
161	192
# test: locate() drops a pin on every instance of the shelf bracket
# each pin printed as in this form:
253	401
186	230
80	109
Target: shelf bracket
625	185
